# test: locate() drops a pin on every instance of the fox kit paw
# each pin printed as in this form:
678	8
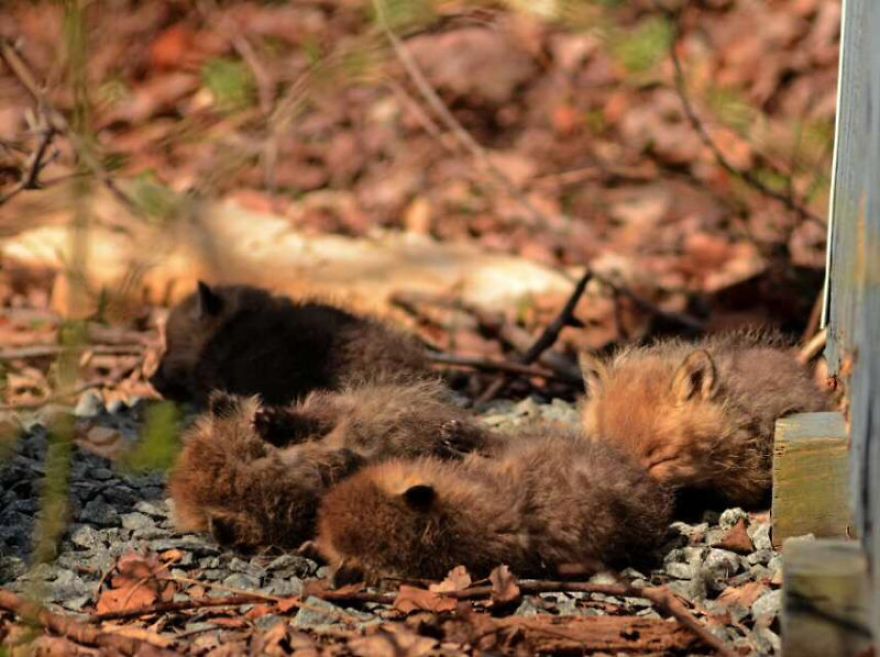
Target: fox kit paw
282	427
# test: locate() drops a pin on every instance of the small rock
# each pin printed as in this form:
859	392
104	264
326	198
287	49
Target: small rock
760	535
136	520
150	509
721	564
101	473
760	556
732	517
767	604
766	641
266	622
315	613
289	565
680	570
759	572
775	568
87	537
89	404
241	581
284	587
98	512
602	578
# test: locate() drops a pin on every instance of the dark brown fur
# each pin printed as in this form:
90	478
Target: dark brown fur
700	415
245	341
249	492
543	502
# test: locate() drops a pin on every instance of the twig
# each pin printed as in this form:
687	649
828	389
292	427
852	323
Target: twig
31	180
461	135
813	347
490	365
59	124
71	628
40	350
168	607
681	319
747	176
63	394
547	338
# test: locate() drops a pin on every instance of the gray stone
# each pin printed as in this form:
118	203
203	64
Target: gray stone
290	565
767	604
316	613
120	495
86	536
150	509
730	517
136	520
284	587
760	535
775	566
603	578
98	512
241	581
680	570
89	404
766	641
760	556
266	622
721	564
101	473
247	567
77	603
759	572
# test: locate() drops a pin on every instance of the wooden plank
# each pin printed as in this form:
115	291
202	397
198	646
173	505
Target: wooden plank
853	278
824	599
810	477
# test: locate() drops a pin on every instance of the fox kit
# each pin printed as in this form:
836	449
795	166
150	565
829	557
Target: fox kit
700	415
378	421
243	340
244	491
253	475
543	502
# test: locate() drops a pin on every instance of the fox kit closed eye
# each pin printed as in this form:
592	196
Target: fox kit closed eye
700	415
253	475
543	502
243	340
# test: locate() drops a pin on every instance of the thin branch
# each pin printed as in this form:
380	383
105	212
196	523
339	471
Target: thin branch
489	365
41	350
747	176
547	338
461	135
72	629
184	605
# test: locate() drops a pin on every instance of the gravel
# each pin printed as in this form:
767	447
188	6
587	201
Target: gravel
115	512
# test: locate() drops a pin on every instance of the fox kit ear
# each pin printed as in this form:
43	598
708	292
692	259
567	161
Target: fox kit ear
420	497
696	377
209	303
222	404
593	369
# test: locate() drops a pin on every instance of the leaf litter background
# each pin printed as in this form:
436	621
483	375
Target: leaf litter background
585	155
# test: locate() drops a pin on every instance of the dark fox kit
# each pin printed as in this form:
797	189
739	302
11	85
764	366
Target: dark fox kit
245	341
253	476
701	415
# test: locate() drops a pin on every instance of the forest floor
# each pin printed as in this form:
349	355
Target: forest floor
678	152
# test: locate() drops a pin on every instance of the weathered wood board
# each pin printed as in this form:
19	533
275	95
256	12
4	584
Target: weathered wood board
852	310
810	477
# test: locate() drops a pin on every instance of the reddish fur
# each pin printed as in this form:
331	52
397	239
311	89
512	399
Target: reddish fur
544	502
251	493
246	341
718	438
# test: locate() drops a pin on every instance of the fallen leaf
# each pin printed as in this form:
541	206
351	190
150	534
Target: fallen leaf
504	586
288	604
393	643
743	595
457	580
410	599
737	539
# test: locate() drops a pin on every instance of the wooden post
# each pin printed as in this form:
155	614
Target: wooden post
824	599
810	477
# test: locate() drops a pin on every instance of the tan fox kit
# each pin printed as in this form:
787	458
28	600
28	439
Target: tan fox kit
545	501
243	340
253	476
700	415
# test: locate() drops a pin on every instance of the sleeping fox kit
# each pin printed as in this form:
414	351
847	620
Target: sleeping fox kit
700	415
243	340
546	500
253	476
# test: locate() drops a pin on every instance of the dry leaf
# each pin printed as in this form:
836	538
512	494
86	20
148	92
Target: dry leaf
410	599
743	595
458	579
504	586
737	539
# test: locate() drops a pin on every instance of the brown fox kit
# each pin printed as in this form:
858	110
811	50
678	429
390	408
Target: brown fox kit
379	421
250	492
243	340
700	415
246	492
544	501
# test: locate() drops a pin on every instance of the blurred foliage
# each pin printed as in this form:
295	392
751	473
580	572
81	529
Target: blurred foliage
642	48
159	441
54	497
231	84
